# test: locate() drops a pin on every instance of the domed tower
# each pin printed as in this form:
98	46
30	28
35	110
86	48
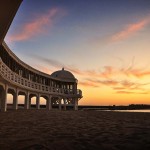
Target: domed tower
69	86
63	74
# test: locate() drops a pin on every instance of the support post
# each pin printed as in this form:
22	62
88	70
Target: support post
15	100
64	104
27	100
75	103
38	101
59	103
4	99
0	101
48	103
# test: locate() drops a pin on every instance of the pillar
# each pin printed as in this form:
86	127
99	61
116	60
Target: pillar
0	101
48	103
64	104
4	99
15	100
59	103
38	101
75	103
27	100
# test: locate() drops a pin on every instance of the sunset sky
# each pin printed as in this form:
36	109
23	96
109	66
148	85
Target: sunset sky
104	43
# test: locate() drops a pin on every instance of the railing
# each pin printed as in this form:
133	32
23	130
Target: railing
24	65
11	76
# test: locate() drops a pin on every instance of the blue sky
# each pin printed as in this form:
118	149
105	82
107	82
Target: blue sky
104	43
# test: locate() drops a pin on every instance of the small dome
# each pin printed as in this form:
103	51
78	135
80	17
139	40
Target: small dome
63	74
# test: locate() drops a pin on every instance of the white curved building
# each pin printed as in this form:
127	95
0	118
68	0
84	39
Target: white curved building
17	78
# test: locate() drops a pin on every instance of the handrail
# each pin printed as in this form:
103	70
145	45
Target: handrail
31	68
9	75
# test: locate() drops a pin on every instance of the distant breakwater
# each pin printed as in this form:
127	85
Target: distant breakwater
90	107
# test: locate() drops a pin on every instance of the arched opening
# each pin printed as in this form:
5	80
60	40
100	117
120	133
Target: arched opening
55	102
62	101
33	102
11	97
10	101
69	103
43	100
21	101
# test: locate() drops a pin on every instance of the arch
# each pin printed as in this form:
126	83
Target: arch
22	99
32	100
43	101
56	102
11	98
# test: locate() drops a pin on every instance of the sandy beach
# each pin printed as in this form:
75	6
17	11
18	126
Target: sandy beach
74	130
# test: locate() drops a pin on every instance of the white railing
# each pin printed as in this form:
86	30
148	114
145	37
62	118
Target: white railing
11	76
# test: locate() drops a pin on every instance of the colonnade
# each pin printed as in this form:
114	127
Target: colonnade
18	78
5	89
54	91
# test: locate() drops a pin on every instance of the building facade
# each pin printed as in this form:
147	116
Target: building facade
17	78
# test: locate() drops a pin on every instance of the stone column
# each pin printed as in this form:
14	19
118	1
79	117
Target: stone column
59	103
1	98
0	101
4	99
27	100
75	103
48	103
15	100
38	101
64	104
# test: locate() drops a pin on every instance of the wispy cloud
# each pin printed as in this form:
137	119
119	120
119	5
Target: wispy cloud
130	30
117	79
87	83
127	31
58	65
139	73
129	92
106	72
106	82
36	26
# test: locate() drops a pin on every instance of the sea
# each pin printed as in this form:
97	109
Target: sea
139	111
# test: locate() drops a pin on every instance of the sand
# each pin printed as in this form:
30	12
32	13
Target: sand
74	130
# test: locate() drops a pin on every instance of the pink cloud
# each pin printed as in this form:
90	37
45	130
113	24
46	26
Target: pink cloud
130	30
36	26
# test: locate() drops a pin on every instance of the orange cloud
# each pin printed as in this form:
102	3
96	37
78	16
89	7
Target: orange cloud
36	26
128	92
85	83
130	30
107	72
139	73
101	82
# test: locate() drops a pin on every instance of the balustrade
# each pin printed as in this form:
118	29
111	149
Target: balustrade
8	74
